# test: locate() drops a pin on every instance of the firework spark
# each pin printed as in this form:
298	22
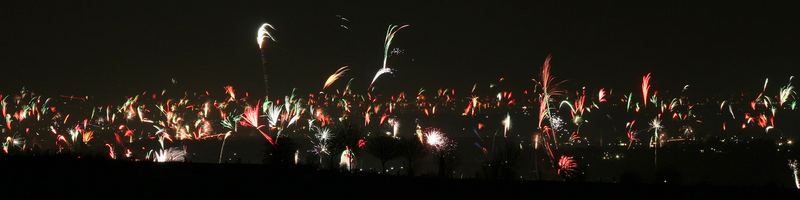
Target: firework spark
273	115
785	93
380	72
87	136
323	137
601	95
631	134
395	126
263	34
173	154
335	76
251	116
795	173
390	33
346	159
645	88
566	166
655	125
435	139
388	40
506	125
251	119
549	89
159	120
222	149
111	153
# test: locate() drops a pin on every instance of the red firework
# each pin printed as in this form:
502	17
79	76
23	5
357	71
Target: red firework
566	165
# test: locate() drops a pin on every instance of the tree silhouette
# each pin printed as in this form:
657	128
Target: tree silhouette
413	150
383	147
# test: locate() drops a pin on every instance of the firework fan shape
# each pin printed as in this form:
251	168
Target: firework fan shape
263	34
273	115
251	119
173	154
645	88
335	76
566	166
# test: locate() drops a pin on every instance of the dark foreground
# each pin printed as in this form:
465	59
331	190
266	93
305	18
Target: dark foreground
30	177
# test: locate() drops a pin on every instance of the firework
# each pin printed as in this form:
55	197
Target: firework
111	153
548	89
386	43
645	88
631	134
222	149
388	40
173	154
6	144
436	139
335	76
251	119
87	136
231	92
785	93
506	125
322	137
601	95
655	125
154	118
795	174
395	126
380	72
566	166
346	159
273	115
263	34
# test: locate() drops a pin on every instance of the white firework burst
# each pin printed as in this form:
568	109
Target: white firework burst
381	71
264	34
173	154
273	115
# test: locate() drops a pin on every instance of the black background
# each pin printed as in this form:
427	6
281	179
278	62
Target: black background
114	49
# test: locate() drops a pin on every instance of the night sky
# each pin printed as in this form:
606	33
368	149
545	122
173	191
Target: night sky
110	50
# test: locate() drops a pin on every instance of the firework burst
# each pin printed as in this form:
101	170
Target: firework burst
273	115
346	159
601	95
173	154
335	76
645	88
437	141
251	119
566	166
322	137
380	72
655	124
506	125
549	89
785	92
264	34
390	33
